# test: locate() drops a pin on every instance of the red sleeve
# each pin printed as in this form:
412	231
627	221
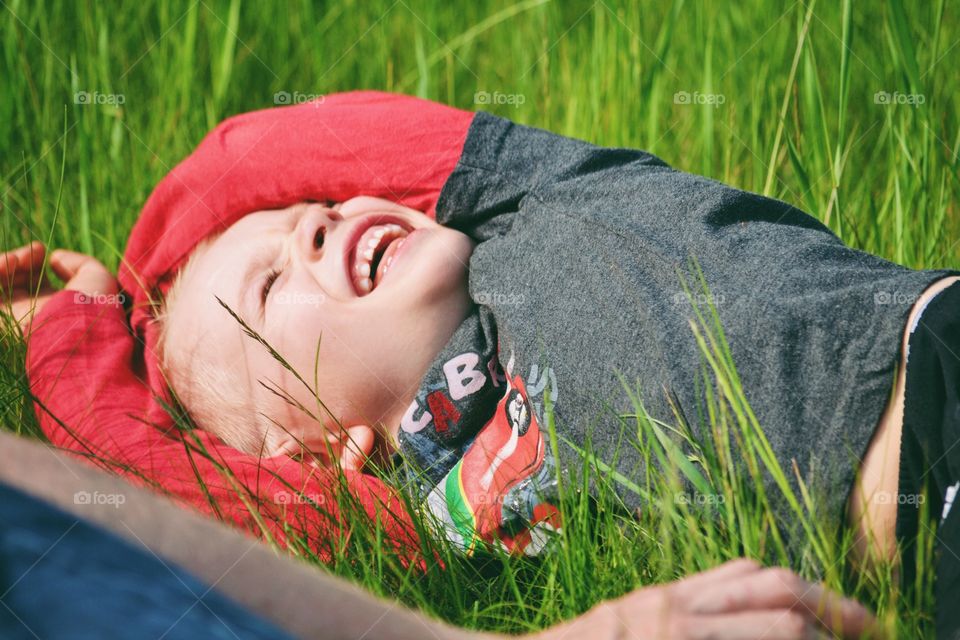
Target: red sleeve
79	362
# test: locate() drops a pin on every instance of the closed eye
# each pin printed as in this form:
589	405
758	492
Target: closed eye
271	278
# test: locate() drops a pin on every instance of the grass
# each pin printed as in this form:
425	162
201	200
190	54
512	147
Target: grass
811	102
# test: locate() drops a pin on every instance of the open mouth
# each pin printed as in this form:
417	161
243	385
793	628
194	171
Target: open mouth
371	256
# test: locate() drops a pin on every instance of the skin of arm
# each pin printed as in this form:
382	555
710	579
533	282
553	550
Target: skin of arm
872	508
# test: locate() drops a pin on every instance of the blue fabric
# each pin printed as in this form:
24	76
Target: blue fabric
63	578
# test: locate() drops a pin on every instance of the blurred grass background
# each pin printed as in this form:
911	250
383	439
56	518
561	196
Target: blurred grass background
849	111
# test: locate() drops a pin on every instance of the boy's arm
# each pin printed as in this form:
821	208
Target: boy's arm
80	362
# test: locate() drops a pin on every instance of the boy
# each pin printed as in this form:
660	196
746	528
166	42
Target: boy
384	289
569	236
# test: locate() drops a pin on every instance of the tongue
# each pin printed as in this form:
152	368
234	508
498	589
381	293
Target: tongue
386	258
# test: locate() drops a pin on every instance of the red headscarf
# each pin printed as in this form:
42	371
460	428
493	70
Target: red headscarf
347	144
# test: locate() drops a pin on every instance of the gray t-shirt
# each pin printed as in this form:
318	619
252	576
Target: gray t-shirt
576	276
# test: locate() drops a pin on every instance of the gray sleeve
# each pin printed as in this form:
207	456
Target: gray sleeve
503	162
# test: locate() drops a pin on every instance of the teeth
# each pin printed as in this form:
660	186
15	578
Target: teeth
362	275
386	266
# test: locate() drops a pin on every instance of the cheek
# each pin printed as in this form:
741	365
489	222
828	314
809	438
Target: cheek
305	320
296	323
299	298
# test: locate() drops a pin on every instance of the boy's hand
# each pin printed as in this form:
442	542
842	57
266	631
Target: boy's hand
738	600
356	446
25	289
348	449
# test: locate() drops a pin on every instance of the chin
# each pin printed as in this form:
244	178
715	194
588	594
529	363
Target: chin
439	271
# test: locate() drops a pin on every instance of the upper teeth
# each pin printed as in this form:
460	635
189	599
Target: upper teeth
366	247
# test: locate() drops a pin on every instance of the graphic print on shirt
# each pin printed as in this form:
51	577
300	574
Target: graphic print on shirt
489	483
475	501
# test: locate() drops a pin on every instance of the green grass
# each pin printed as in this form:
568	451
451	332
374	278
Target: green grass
797	120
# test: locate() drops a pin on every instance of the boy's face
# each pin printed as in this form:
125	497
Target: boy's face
297	274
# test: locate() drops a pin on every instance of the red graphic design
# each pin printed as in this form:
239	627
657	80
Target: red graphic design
507	450
443	411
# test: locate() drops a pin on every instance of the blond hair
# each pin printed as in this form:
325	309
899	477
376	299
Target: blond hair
217	398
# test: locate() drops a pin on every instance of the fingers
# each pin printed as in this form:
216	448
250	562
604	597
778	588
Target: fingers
782	589
22	276
782	624
358	444
83	273
769	588
735	601
67	263
728	570
681	593
22	264
843	616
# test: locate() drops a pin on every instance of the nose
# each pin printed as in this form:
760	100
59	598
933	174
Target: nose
313	230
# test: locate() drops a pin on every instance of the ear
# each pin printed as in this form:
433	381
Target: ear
358	444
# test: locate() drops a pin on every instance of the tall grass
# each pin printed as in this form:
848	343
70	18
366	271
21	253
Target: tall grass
815	103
